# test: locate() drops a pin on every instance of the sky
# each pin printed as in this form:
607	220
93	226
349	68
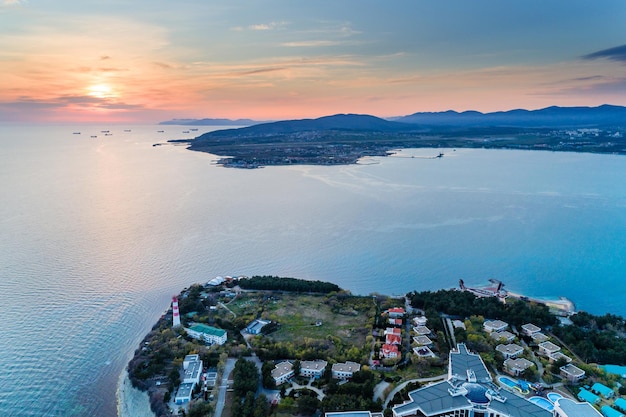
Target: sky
142	61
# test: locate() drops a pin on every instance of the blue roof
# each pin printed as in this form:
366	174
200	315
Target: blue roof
588	396
615	369
620	403
610	412
602	389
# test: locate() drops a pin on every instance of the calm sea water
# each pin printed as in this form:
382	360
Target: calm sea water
97	234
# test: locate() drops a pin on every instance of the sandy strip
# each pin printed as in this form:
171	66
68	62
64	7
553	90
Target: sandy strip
132	402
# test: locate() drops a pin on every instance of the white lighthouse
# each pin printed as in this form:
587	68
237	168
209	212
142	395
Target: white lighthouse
175	313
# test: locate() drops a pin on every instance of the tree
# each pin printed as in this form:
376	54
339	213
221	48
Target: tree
296	367
245	377
307	405
261	407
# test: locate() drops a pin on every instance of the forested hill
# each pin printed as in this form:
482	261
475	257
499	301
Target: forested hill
268	282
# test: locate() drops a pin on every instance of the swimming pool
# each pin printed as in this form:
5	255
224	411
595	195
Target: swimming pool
519	385
507	381
542	402
553	396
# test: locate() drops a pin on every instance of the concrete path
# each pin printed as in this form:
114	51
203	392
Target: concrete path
221	397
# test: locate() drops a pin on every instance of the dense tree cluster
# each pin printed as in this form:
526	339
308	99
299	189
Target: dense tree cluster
352	396
273	283
465	304
595	338
245	377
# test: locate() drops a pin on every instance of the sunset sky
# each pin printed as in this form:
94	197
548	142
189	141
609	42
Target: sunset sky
145	61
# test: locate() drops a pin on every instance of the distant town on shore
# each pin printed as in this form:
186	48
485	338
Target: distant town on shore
345	138
266	345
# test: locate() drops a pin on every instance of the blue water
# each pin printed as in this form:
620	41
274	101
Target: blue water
553	397
507	381
97	234
542	402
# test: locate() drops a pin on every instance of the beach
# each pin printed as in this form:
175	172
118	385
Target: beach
132	402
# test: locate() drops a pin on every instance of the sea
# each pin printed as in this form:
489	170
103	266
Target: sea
97	234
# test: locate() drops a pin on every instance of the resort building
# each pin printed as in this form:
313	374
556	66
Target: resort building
608	411
468	392
424	352
564	407
313	369
504	336
422	340
393	339
458	324
283	372
510	351
396	312
491	326
395	322
517	366
421	330
572	373
345	370
539	337
603	390
559	355
420	320
588	396
393	330
209	334
548	348
620	403
389	351
183	394
530	329
256	326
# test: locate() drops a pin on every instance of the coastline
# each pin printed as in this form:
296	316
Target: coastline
131	402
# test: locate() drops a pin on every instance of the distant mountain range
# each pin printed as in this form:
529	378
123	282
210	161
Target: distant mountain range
550	117
211	122
605	115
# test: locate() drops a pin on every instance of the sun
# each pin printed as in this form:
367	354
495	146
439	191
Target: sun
100	91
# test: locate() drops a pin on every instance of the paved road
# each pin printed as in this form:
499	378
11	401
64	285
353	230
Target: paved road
221	397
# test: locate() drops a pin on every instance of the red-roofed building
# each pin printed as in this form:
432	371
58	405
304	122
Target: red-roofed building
393	330
395	322
396	312
389	351
393	339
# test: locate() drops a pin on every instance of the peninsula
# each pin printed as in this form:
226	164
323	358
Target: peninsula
267	345
345	138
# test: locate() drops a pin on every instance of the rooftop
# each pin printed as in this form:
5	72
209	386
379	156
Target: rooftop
549	347
531	328
602	389
572	370
313	365
509	349
281	369
184	390
461	361
588	396
505	335
572	408
203	328
346	367
611	412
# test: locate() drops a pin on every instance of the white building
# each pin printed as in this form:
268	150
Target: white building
183	394
209	334
572	373
193	372
504	336
515	367
494	326
313	369
345	370
548	348
530	329
283	372
510	351
190	358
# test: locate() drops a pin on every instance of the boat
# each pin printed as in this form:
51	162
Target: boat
126	130
94	136
76	133
185	131
194	130
160	131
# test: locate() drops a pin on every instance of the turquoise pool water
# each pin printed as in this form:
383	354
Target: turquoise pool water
542	402
615	369
553	396
507	381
